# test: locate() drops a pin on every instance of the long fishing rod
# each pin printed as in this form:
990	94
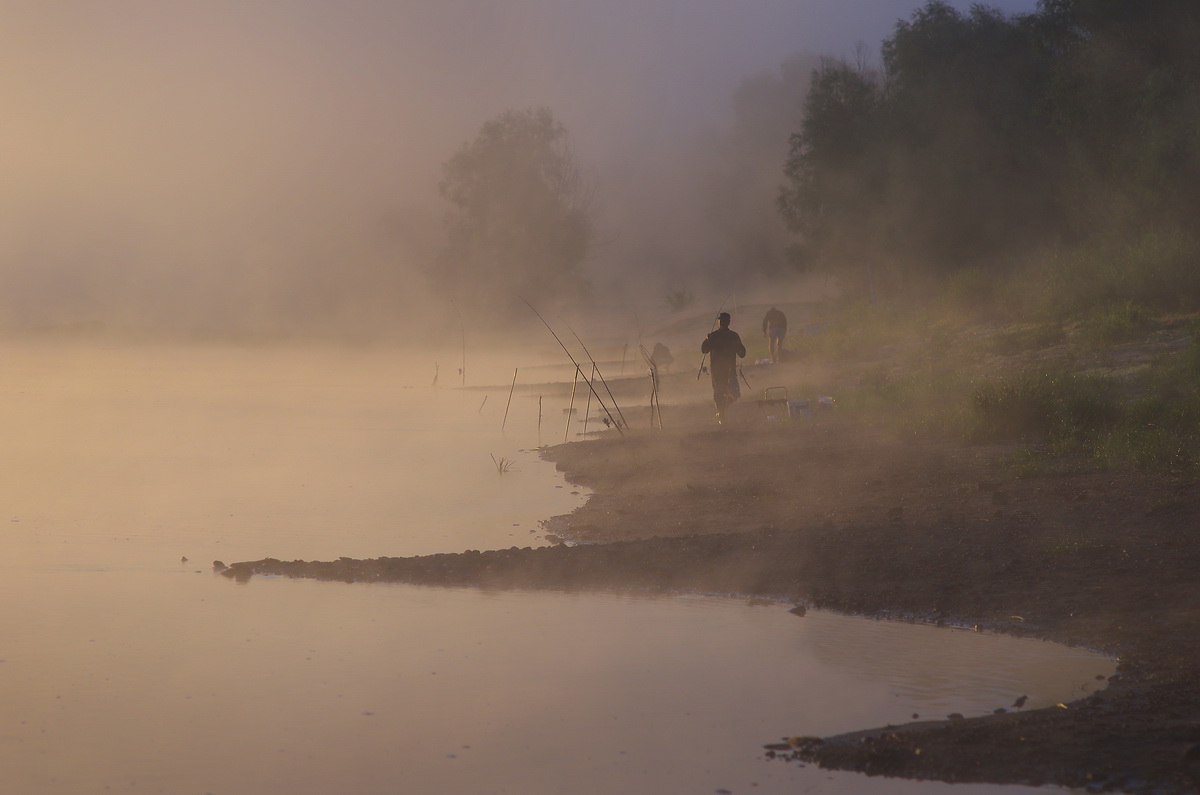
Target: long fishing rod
596	368
572	358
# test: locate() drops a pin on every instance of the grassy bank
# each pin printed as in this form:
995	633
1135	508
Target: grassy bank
1083	379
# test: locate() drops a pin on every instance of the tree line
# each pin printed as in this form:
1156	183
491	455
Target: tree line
983	136
980	139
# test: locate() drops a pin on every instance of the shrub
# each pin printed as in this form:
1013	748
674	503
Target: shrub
1154	268
1050	405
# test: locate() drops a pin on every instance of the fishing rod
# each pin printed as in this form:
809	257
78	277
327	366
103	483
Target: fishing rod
596	369
572	358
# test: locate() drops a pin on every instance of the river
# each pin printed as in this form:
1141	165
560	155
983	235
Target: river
126	665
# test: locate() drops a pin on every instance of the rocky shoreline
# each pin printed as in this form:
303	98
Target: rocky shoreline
829	514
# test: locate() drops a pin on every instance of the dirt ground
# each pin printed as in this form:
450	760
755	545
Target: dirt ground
825	512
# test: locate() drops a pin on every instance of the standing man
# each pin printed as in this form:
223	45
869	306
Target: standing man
775	329
724	347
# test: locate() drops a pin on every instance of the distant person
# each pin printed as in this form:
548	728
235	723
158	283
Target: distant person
724	348
775	329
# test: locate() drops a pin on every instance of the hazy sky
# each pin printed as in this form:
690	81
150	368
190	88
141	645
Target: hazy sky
198	149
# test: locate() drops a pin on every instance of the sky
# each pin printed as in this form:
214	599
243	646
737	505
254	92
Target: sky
197	161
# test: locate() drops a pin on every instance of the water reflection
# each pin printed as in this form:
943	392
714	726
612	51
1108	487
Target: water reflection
908	659
189	683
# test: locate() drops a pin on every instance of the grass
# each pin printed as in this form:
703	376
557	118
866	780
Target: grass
502	464
1161	430
1148	420
1056	405
1153	267
1111	324
1080	356
1036	383
864	331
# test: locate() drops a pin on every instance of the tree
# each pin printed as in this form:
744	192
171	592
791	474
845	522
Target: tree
970	135
1126	98
833	170
943	162
520	221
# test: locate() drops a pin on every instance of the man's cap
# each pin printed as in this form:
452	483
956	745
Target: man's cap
723	316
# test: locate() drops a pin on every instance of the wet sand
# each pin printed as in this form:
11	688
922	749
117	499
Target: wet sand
829	513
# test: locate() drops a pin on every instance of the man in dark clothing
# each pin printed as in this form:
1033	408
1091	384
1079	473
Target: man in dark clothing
775	329
725	347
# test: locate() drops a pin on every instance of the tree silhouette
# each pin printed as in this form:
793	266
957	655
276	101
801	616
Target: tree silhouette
520	220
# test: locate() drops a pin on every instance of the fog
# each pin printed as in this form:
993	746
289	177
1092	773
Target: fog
272	167
131	665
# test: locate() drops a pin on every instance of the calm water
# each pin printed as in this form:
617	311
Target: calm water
123	668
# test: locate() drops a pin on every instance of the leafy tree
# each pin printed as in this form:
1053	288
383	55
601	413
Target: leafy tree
1126	99
940	163
833	169
973	163
520	221
991	135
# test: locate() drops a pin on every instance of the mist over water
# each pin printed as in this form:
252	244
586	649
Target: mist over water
124	666
236	453
273	166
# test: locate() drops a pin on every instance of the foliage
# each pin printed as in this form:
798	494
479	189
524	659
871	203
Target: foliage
1150	421
503	464
1057	405
833	181
520	221
1063	406
969	164
1162	430
1069	134
860	331
1125	99
1107	325
1156	268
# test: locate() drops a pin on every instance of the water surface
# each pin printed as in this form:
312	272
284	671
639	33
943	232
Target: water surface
125	668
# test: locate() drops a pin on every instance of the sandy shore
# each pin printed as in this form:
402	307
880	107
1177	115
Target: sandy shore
829	513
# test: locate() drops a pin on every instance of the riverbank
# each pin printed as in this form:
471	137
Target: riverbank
832	513
857	519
